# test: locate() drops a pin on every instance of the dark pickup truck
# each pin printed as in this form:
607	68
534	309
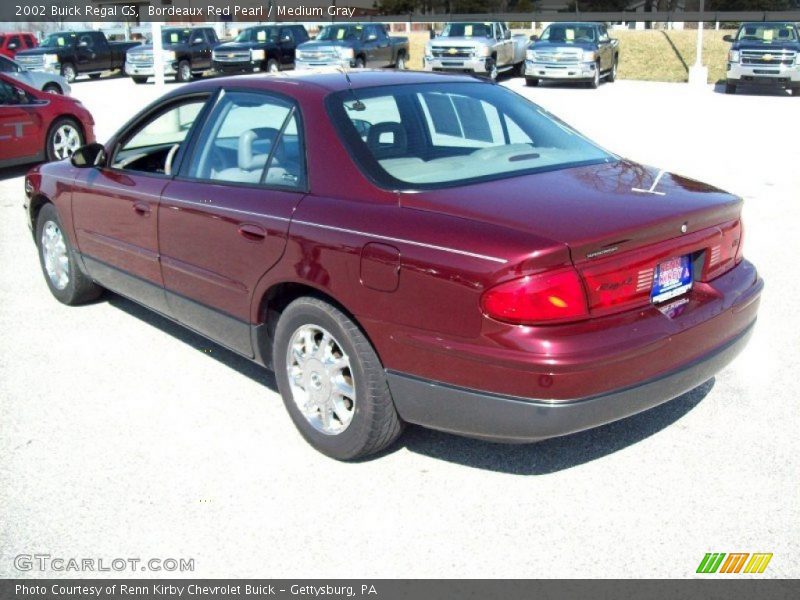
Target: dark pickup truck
764	54
268	48
353	45
187	52
566	52
74	53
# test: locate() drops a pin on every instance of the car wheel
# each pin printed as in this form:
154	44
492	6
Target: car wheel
184	73
68	72
400	65
730	88
332	382
273	66
139	80
64	137
66	281
595	82
52	88
360	63
612	75
531	81
492	70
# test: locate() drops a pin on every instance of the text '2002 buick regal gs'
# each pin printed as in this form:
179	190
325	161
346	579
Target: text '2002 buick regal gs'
405	248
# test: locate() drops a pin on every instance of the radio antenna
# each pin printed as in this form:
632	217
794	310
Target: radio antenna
358	105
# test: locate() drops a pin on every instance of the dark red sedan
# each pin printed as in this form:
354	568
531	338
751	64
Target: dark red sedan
37	125
405	248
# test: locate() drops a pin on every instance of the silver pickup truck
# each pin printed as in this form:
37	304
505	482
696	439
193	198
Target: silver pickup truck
486	48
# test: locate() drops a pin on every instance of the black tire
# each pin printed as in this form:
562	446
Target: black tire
730	88
139	80
491	69
531	81
53	88
612	74
51	152
94	75
595	82
80	288
375	423
360	63
69	72
184	72
272	66
401	64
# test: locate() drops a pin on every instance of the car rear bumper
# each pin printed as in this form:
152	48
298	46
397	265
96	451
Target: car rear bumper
574	72
779	75
512	419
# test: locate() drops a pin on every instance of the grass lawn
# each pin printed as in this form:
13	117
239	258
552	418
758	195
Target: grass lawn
651	55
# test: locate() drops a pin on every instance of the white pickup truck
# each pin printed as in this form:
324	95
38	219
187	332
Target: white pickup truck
486	48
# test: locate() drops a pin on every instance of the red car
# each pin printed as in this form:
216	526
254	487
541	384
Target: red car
405	248
37	125
11	43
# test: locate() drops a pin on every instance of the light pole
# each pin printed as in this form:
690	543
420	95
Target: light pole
698	74
158	53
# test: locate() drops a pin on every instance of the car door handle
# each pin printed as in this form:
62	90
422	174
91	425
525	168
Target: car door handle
254	233
142	208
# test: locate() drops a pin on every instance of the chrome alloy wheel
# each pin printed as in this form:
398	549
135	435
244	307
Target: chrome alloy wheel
54	251
321	379
66	140
186	71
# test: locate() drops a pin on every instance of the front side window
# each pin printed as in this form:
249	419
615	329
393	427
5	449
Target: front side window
251	138
439	135
153	146
8	94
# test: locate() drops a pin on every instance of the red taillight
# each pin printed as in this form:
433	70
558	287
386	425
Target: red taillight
550	297
725	254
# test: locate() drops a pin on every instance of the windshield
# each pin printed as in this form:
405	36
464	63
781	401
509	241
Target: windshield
58	40
340	32
445	134
260	34
467	30
175	36
568	33
767	32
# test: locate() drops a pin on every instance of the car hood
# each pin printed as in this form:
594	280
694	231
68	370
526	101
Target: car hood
148	48
542	45
322	45
39	51
460	42
776	46
588	208
242	45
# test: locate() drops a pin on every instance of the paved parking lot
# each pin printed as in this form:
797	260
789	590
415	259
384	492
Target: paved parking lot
125	436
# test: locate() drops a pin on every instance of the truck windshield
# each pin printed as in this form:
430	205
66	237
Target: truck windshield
767	32
430	136
340	32
57	40
568	34
467	30
175	36
261	34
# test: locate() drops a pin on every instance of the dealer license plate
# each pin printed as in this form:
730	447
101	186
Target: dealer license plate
673	277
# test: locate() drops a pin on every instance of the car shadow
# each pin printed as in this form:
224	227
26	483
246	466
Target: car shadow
542	458
211	349
14	172
745	89
557	454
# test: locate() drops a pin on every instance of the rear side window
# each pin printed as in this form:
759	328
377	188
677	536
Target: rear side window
28	41
251	138
2	40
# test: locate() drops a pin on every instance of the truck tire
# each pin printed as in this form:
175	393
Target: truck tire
332	381
68	284
360	63
531	81
139	80
68	72
612	74
400	65
184	72
53	88
730	88
595	82
272	66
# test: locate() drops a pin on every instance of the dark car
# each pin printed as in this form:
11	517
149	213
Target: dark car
354	45
268	48
406	247
187	52
37	125
766	55
76	53
13	42
566	52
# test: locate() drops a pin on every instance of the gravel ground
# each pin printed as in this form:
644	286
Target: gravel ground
124	436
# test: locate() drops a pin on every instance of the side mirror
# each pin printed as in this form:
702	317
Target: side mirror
728	38
197	41
286	39
83	44
372	37
88	156
506	35
534	38
13	46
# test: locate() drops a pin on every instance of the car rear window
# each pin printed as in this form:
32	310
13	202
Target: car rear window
440	135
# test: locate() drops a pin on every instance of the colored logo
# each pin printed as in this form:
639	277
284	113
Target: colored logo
768	57
735	562
452	51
